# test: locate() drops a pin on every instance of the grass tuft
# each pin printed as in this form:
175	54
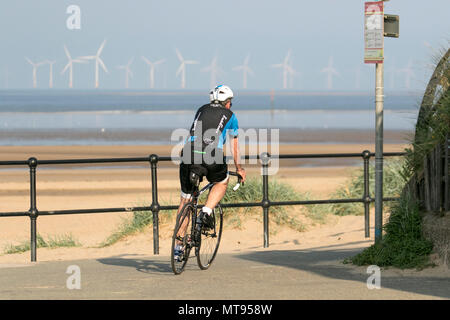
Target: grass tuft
234	217
394	180
136	224
252	192
58	241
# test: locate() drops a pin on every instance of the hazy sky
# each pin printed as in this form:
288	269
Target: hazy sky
314	30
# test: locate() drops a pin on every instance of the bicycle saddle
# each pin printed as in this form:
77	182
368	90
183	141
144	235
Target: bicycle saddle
196	174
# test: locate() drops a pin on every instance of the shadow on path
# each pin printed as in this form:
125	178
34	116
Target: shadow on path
157	265
327	261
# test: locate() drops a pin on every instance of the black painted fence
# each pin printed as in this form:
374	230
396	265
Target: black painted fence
155	207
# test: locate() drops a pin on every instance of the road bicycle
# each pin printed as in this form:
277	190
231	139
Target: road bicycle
189	234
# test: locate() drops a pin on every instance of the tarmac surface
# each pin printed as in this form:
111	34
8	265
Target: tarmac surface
316	273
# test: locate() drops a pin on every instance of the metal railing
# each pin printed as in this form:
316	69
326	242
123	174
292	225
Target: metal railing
155	207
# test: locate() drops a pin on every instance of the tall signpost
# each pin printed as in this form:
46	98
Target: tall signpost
374	25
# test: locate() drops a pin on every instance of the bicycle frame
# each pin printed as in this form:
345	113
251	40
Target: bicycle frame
194	238
196	194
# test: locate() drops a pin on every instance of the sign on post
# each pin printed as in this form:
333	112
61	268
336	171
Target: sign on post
374	32
391	25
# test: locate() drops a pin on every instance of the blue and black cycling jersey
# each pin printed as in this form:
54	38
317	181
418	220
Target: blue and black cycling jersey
203	150
212	123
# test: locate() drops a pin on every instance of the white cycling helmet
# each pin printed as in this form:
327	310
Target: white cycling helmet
220	93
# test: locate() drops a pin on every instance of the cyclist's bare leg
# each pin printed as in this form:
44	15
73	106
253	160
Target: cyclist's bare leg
182	229
216	194
183	201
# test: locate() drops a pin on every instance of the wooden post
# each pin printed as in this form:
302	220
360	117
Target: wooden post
420	188
438	181
426	182
446	174
414	188
432	178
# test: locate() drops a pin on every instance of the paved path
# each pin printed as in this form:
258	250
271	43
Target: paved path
261	274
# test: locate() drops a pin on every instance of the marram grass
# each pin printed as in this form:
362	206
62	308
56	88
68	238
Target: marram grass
58	241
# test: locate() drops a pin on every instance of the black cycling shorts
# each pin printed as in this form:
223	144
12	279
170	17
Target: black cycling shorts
214	173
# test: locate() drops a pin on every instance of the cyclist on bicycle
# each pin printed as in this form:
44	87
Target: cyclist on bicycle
203	153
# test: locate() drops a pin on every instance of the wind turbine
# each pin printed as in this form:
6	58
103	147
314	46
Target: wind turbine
182	69
69	66
152	66
128	72
35	66
245	70
50	78
165	79
215	70
98	61
286	68
291	72
409	73
330	70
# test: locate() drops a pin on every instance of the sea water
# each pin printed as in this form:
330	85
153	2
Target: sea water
47	110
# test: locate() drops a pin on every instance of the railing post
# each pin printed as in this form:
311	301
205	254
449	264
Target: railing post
366	195
155	205
33	212
379	136
265	158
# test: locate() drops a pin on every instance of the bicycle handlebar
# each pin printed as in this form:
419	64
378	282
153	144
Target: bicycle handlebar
238	184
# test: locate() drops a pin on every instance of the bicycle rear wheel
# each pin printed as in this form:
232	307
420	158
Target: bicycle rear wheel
182	235
210	240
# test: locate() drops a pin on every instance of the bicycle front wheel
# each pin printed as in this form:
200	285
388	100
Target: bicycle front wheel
182	238
210	240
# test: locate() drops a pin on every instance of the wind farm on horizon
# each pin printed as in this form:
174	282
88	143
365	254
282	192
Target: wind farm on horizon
329	73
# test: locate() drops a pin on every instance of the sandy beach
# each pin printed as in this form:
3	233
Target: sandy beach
78	187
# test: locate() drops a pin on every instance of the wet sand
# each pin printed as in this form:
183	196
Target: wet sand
163	136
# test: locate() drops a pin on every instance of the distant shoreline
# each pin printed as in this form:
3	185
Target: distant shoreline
48	137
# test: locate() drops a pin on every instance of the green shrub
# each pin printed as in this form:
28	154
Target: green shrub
403	244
